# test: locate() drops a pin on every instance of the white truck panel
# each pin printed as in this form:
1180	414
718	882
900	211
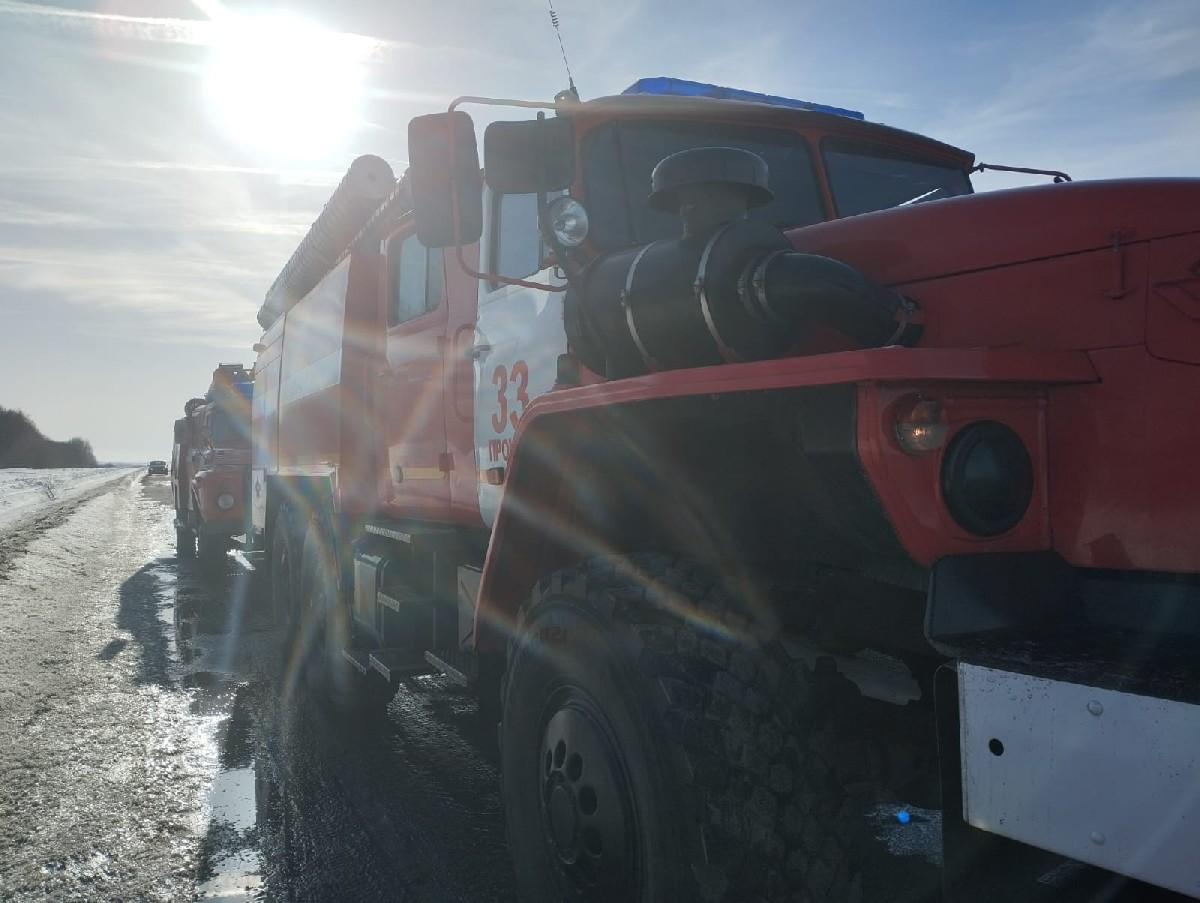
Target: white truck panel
518	338
1108	778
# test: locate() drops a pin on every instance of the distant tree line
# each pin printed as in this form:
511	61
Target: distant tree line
23	445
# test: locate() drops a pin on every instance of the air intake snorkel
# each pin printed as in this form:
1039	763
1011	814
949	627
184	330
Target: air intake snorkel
732	288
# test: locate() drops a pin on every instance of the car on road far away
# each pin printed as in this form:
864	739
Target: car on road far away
157	467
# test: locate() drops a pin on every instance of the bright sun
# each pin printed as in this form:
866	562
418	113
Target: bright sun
284	86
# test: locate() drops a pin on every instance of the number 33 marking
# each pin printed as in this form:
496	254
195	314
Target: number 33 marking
519	374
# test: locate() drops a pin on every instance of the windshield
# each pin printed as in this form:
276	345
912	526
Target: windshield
229	430
870	177
619	156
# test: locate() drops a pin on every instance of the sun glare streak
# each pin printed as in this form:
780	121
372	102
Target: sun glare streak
587	539
284	86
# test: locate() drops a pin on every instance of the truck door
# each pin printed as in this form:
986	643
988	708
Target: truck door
519	337
410	392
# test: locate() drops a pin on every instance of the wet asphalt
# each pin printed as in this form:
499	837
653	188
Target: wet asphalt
152	747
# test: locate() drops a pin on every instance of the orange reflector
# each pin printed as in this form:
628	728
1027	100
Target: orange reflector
920	425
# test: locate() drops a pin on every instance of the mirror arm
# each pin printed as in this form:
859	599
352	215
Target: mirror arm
458	247
499	102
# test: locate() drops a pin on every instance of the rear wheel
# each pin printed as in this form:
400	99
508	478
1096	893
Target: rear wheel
659	746
283	570
325	630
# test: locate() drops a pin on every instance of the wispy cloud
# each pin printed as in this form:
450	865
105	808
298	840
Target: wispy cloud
160	29
194	296
17	213
299	176
1090	88
143	28
67	170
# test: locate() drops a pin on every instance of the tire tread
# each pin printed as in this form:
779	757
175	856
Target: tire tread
768	801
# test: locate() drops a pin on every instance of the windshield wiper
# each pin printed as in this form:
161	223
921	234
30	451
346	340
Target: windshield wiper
920	197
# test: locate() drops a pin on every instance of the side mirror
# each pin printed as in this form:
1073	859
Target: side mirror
436	185
529	157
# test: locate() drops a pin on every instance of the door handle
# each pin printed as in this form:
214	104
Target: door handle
479	352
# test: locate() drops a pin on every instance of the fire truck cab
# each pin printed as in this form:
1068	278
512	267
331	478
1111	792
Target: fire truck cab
777	494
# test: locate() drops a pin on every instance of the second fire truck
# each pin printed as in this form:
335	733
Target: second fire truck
210	466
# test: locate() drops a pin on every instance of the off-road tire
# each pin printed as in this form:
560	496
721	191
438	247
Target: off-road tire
211	549
324	630
748	773
283	570
185	543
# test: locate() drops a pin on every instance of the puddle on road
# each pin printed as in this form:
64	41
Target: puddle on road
232	859
305	803
223	650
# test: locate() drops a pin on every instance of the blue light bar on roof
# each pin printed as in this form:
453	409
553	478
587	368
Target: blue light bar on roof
678	87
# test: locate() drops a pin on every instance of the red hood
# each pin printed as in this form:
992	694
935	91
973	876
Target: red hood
958	235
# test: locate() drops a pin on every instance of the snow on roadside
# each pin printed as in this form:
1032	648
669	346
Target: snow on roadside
24	491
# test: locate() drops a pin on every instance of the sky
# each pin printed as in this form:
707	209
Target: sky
161	159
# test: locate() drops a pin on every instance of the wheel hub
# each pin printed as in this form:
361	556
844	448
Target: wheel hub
564	818
587	813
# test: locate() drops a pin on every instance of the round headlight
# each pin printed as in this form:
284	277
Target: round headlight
987	478
224	501
568	221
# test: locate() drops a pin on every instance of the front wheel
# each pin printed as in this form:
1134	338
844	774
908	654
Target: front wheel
658	746
185	543
211	549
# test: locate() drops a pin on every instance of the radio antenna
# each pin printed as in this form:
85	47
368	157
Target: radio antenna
563	50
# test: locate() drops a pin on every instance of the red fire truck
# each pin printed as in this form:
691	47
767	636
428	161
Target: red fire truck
792	508
209	466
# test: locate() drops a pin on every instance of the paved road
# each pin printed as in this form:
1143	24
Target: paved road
148	750
145	752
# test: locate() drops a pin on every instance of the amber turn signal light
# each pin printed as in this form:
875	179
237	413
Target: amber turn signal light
920	425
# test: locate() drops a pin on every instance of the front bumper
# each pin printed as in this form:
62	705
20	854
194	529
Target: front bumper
1103	776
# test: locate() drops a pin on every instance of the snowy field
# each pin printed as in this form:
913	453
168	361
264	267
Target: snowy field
23	491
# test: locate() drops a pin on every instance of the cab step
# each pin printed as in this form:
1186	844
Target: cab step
458	666
356	659
408	533
392	664
399	597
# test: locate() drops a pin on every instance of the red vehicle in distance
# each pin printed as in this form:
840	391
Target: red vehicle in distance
781	498
210	466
